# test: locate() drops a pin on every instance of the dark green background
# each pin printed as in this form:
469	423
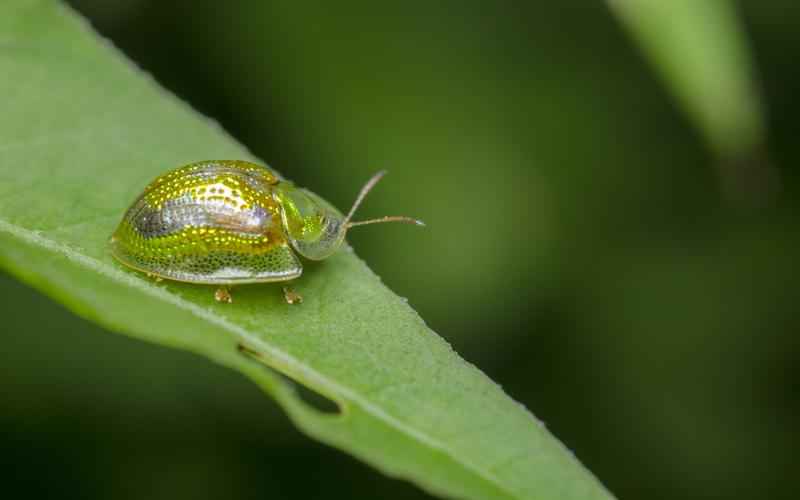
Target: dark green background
579	251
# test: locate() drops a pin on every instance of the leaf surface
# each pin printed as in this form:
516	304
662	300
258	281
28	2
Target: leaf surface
83	132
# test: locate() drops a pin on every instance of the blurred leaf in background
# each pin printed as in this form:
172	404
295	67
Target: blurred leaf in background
701	51
578	250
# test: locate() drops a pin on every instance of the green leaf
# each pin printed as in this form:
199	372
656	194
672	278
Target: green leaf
700	50
83	132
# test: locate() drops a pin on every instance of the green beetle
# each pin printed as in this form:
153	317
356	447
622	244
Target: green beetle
229	222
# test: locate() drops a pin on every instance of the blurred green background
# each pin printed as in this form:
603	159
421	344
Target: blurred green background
580	250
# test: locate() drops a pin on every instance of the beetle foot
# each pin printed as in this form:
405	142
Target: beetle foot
291	296
223	294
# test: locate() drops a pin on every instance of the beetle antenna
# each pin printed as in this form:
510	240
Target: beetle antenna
363	193
388	218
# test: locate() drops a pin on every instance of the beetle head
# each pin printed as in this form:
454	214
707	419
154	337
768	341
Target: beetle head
315	228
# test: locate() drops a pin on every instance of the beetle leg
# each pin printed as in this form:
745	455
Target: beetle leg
223	294
291	296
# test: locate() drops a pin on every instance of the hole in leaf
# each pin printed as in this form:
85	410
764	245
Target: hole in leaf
312	398
315	399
